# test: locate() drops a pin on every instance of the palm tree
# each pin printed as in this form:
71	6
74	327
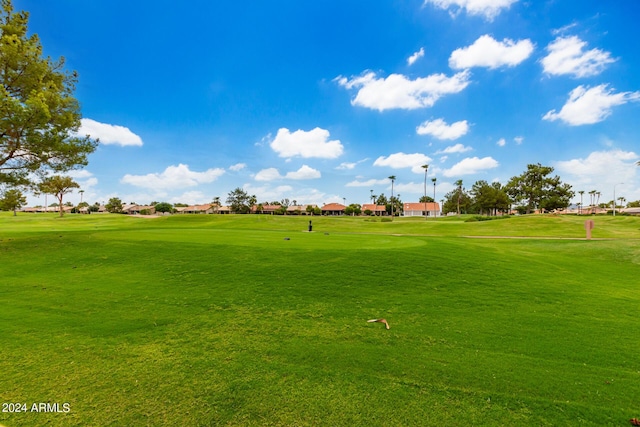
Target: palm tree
392	178
580	206
598	194
459	185
591	199
426	168
216	203
434	179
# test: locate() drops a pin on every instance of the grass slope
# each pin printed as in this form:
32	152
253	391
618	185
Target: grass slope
213	320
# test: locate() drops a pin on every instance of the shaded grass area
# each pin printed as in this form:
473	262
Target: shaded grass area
198	322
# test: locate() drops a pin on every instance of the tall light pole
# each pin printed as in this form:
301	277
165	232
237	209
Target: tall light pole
392	178
434	179
614	197
426	168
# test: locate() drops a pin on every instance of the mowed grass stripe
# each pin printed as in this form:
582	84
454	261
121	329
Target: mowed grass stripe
137	330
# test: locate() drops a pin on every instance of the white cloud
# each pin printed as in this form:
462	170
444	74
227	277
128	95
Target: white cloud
412	188
398	91
265	193
600	163
272	174
471	165
173	177
268	174
350	165
402	160
487	52
439	129
79	174
518	139
487	8
588	106
458	148
368	183
501	142
567	56
417	55
192	198
305	172
109	134
601	170
314	143
237	167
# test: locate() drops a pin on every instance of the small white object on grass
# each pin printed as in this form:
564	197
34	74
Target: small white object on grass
380	321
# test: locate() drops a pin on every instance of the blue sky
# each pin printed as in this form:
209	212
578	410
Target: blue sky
320	102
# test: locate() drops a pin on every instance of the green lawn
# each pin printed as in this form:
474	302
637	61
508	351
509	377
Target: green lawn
218	320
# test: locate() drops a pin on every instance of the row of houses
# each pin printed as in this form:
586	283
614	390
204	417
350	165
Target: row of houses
330	209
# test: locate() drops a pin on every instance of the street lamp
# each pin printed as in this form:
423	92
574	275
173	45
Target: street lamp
614	197
426	168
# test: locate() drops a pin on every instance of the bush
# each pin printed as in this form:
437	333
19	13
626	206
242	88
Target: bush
486	218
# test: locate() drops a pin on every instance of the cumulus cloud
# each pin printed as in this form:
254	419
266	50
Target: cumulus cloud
471	165
402	160
398	91
439	129
237	167
417	55
305	172
272	174
458	148
518	139
590	105
367	183
350	165
599	163
594	171
314	143
490	53
501	142
109	134
487	8
567	55
173	177
268	174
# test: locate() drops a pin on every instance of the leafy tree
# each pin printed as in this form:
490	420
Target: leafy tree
39	116
58	186
114	205
457	200
459	191
489	198
382	200
538	190
353	209
239	201
12	200
425	199
634	204
310	210
163	207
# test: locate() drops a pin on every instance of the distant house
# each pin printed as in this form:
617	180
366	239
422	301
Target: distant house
379	210
299	209
197	209
265	209
418	209
333	209
631	211
138	209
